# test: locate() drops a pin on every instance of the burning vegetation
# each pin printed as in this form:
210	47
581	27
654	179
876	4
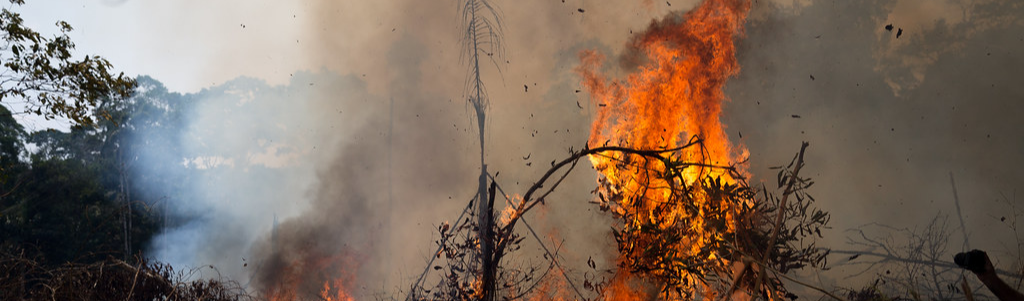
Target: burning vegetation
680	209
687	223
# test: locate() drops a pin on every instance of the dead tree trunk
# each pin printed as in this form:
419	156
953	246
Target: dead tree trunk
489	260
482	31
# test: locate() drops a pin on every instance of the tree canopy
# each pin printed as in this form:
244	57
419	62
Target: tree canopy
43	73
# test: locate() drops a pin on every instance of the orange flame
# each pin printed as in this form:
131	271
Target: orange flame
301	279
620	288
334	291
681	66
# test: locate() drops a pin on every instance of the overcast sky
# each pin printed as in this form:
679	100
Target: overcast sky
187	44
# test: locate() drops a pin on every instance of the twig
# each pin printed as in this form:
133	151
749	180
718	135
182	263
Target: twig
528	202
805	284
780	274
782	209
134	281
554	260
956	200
890	257
434	255
967	288
736	279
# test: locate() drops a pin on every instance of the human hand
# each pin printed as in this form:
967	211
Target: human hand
976	261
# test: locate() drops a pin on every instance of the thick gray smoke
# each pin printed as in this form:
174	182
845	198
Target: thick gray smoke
890	114
888	119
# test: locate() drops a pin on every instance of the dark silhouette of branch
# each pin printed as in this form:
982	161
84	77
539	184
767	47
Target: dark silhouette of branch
554	258
433	256
782	204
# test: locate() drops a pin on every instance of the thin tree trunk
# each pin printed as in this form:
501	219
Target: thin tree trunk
484	204
126	211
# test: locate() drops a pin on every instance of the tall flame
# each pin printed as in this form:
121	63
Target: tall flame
677	91
680	65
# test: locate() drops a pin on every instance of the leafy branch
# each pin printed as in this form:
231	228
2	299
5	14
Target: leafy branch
42	72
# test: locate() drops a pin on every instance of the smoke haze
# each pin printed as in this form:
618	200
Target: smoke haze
887	118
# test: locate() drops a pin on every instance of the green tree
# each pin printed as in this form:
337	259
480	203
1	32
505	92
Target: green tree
143	127
43	73
84	196
70	206
64	214
12	145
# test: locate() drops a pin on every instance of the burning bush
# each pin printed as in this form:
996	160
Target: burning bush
687	222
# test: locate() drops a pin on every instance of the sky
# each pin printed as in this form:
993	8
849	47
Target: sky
188	45
888	119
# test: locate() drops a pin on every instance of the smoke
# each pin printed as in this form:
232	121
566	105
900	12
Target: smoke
887	120
242	154
409	51
885	130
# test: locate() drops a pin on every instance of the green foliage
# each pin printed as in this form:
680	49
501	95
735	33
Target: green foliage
62	212
12	145
79	144
77	199
43	72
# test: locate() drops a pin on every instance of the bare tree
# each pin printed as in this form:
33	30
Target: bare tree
910	260
482	34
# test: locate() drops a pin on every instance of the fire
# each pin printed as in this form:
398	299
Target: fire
674	94
621	287
334	291
322	278
509	212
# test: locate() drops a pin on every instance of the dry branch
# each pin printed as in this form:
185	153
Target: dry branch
778	217
22	278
